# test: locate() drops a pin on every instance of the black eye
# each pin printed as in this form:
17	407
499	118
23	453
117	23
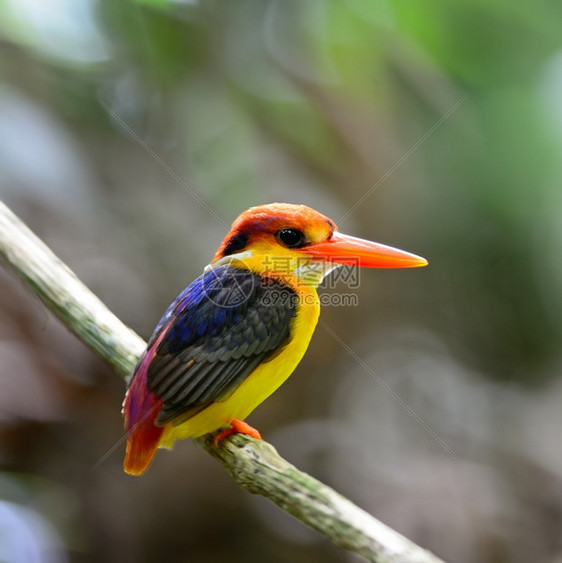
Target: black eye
293	238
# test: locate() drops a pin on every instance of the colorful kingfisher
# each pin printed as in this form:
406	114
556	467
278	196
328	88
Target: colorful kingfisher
235	334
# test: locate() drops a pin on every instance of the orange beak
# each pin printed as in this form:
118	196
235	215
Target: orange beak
352	251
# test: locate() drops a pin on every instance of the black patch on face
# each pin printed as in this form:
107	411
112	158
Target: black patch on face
236	243
332	227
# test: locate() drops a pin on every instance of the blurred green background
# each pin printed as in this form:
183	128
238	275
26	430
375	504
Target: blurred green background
432	126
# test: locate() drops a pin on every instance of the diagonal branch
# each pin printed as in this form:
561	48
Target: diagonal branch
254	465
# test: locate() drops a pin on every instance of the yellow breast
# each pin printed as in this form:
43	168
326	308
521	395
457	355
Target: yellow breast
263	381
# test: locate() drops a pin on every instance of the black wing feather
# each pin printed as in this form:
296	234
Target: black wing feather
211	344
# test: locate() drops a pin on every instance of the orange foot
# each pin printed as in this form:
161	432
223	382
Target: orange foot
238	427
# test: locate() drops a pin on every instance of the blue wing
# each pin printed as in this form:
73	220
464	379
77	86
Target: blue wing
217	331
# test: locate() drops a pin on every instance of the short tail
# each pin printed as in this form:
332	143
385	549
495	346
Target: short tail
140	410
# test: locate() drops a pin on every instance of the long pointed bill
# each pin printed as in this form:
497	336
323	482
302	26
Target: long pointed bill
352	251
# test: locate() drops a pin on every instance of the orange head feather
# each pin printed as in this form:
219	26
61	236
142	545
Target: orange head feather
261	224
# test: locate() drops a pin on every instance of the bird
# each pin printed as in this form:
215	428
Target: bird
237	332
